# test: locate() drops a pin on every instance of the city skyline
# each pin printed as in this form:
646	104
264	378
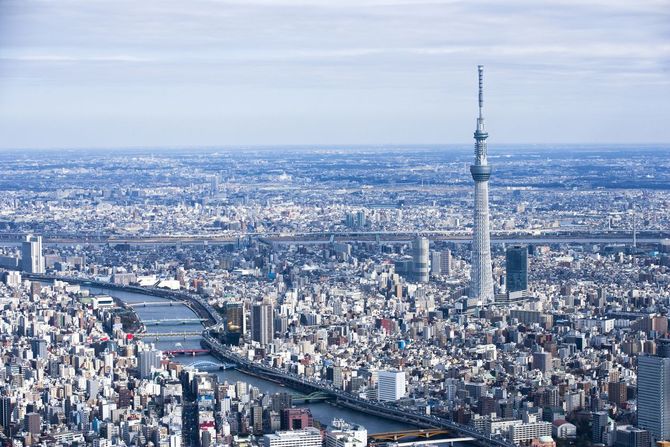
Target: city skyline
258	73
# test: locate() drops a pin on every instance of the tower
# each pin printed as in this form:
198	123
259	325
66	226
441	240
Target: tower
481	284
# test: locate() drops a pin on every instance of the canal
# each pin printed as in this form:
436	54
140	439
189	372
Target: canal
323	412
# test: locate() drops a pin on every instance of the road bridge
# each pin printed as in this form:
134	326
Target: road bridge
206	365
316	396
192	352
157	335
398	435
154	303
164	321
434	441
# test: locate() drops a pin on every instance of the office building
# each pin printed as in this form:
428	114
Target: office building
149	361
420	259
39	348
653	393
516	263
599	427
391	385
481	276
32	260
296	418
445	258
32	423
5	413
309	437
542	361
629	436
235	318
334	374
436	263
262	322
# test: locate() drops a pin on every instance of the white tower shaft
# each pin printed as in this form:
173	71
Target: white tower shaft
481	284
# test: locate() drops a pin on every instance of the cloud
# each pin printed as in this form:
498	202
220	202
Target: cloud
558	50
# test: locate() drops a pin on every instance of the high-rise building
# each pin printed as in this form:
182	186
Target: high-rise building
39	348
391	385
262	323
148	361
5	413
420	260
629	436
542	361
599	424
32	260
481	284
653	393
446	262
32	423
334	374
516	263
435	263
235	320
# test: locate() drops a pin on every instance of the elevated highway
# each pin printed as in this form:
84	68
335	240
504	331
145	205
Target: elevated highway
327	237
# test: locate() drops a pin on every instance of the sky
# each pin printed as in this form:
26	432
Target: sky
213	73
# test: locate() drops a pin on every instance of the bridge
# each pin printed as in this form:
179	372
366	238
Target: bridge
193	352
168	321
158	335
169	303
449	441
397	435
316	396
206	365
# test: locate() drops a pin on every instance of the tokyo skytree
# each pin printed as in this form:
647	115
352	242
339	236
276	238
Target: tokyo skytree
481	278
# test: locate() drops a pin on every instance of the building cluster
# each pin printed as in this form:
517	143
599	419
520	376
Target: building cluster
572	346
74	376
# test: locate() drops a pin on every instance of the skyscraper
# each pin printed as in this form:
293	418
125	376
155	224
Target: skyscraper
262	324
435	263
32	260
420	261
653	393
481	284
5	413
148	361
516	263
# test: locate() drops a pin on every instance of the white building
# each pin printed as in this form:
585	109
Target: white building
342	434
391	385
309	437
528	431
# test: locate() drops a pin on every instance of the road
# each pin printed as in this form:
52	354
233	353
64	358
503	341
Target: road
326	237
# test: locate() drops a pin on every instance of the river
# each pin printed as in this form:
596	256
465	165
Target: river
323	412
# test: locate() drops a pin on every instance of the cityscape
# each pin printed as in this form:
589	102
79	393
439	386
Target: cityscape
191	254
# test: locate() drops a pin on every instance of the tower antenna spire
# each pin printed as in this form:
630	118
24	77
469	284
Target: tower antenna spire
481	89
